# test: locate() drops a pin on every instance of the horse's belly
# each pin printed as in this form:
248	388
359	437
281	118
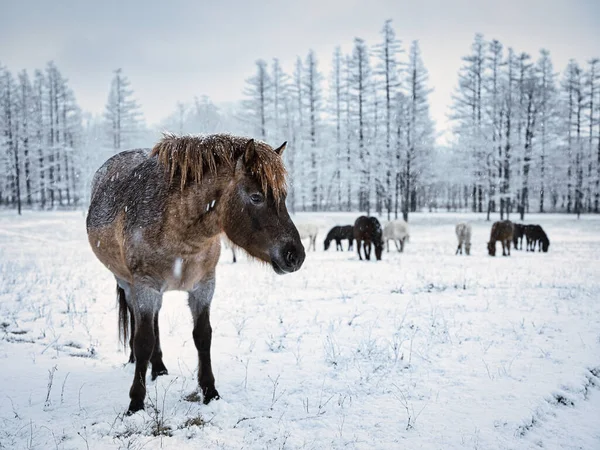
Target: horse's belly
108	251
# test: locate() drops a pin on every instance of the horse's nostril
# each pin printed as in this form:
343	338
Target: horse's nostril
290	258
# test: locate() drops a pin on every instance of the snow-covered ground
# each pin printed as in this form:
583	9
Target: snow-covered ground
424	349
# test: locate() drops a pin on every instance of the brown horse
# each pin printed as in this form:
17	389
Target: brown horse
503	232
367	230
155	221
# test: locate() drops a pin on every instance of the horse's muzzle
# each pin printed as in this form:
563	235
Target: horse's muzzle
288	258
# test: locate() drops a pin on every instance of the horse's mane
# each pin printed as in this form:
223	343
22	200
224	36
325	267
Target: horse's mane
191	156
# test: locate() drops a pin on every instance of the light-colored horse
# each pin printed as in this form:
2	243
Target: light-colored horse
397	230
463	234
308	231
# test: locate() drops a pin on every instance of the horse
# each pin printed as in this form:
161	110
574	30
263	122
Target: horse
368	230
463	233
155	221
518	234
503	232
397	230
535	234
309	231
339	233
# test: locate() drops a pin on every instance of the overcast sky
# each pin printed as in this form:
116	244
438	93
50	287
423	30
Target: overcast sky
173	50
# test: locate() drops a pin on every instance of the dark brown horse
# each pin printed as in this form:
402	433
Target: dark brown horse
367	230
503	232
155	221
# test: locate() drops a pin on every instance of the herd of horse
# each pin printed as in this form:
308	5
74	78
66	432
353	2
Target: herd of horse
508	232
156	218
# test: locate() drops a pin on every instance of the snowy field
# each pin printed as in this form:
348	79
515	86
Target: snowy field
424	349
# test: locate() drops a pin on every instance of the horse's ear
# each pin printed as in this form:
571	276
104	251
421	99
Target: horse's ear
281	148
250	152
245	160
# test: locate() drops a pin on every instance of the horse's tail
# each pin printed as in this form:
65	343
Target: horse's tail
123	316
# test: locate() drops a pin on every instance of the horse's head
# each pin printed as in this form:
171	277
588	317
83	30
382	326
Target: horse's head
326	243
254	215
491	246
545	245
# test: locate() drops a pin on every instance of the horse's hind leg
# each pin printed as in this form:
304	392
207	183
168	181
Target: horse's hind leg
199	301
368	251
145	302
358	244
158	366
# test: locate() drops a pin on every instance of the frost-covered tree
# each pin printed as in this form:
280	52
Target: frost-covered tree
312	88
547	123
336	111
419	130
360	92
388	73
258	100
122	114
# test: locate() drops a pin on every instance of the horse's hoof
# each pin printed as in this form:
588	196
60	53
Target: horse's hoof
159	372
210	394
134	407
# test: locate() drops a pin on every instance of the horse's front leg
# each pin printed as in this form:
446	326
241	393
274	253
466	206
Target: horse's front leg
199	301
158	366
367	251
145	305
338	245
350	244
358	244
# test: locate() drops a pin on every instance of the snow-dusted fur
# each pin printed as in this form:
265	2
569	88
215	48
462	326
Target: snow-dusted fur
463	234
396	230
308	231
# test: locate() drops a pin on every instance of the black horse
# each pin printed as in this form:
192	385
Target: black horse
518	235
338	234
535	234
368	230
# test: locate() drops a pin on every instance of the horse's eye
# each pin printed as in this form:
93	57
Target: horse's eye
257	198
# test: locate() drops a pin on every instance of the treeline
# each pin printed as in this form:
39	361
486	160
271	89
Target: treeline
526	138
40	132
523	137
366	142
49	149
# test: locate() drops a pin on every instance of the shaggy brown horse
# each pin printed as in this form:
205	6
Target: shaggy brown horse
503	232
367	230
155	220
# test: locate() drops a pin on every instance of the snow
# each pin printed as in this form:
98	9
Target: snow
423	349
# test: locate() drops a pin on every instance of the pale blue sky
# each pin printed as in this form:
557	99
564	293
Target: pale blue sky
174	50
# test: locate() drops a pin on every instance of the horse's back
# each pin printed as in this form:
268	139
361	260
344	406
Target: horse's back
463	231
115	184
395	229
502	230
307	230
117	166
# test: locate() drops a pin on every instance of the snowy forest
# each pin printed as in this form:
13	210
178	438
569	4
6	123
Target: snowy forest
523	135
